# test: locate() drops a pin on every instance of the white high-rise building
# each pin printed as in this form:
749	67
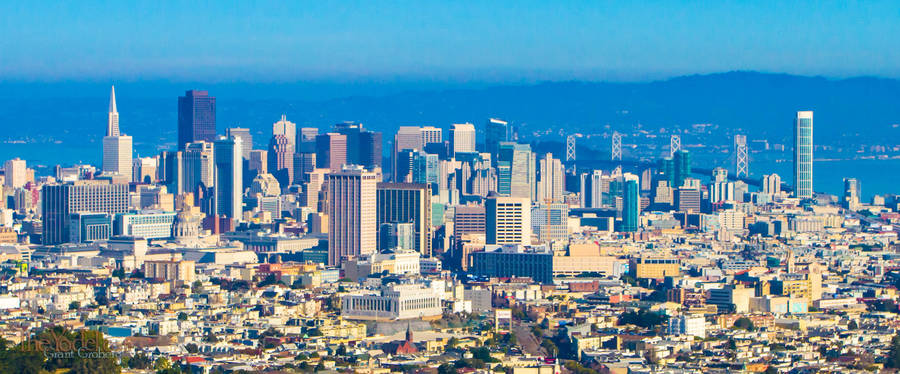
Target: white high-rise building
15	173
771	184
352	218
721	191
462	137
229	177
508	220
803	154
117	155
431	134
116	147
550	186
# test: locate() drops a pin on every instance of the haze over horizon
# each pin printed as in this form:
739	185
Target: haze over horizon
440	43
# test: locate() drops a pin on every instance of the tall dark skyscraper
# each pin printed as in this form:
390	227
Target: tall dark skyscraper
196	117
407	203
363	146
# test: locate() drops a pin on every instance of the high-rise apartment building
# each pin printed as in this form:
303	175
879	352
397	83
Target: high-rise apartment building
228	177
508	220
196	117
771	184
59	201
803	154
407	203
462	138
352	213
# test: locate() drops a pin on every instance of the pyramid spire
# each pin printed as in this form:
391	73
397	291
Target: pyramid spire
112	124
112	100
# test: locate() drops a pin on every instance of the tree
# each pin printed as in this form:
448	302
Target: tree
341	350
182	316
893	358
74	305
446	369
852	325
191	348
452	342
744	323
642	318
162	363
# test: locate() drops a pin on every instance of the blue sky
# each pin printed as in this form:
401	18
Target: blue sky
459	41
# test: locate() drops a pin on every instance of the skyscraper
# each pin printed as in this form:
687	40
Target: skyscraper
462	138
228	177
852	190
198	166
552	179
771	184
117	155
281	159
112	118
363	146
407	203
116	147
407	138
352	213
306	140
631	203
803	154
196	117
370	148
286	128
58	201
550	221
246	139
508	220
331	151
14	172
682	161
515	170
496	131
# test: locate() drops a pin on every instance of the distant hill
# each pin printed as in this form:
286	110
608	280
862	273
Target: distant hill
761	104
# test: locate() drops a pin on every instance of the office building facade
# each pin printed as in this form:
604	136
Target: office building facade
196	117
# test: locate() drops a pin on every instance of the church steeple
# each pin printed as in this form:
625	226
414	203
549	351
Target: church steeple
112	123
409	337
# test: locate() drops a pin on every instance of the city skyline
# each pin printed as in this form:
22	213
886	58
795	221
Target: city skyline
450	188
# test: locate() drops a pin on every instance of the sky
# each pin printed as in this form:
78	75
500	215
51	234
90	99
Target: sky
458	41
